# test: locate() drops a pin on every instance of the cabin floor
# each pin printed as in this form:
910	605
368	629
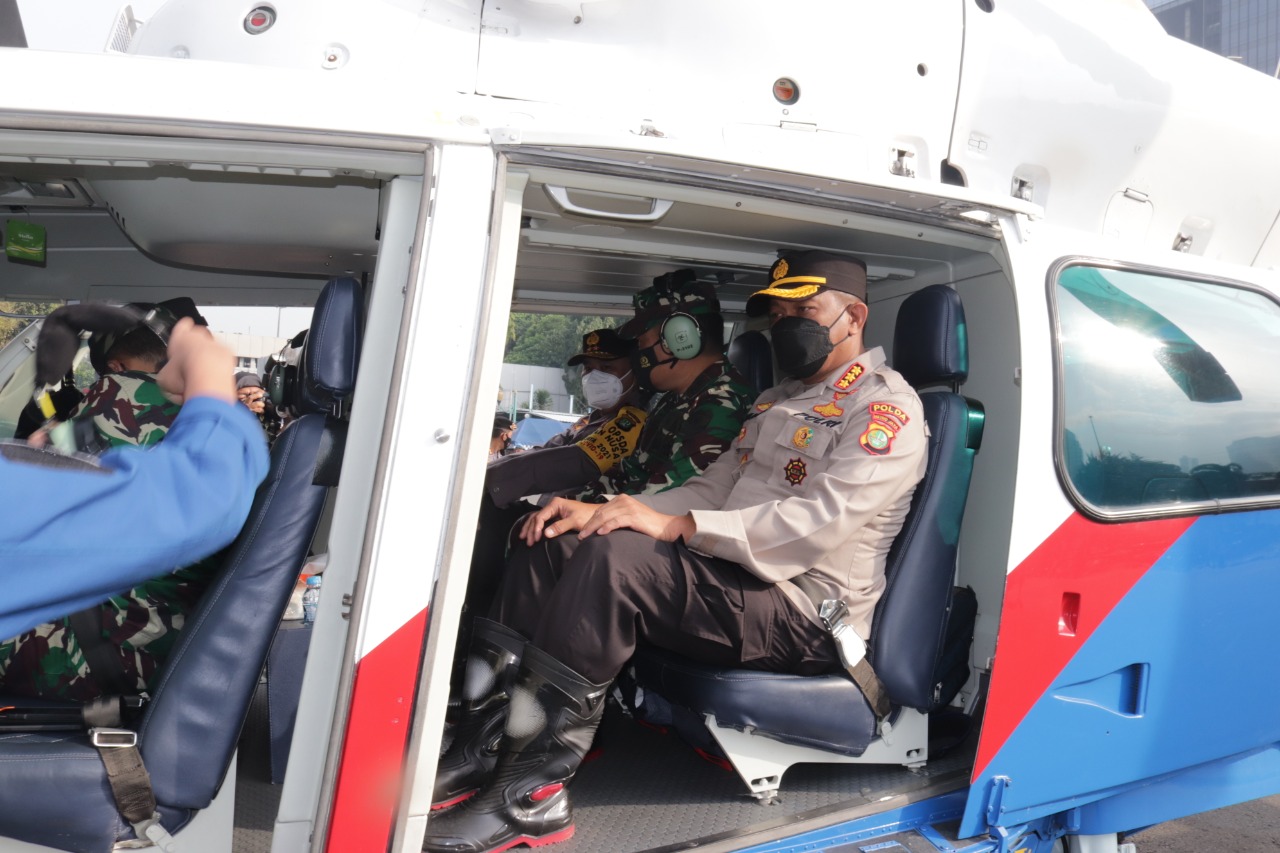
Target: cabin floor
645	790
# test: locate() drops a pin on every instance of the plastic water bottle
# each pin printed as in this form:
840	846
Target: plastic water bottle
311	600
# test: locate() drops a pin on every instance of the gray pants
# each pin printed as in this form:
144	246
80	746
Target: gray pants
588	603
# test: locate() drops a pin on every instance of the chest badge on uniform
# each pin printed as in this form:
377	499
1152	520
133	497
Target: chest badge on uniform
795	472
803	437
831	410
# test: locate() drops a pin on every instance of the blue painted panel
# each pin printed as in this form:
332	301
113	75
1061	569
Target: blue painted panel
919	815
1209	786
1184	671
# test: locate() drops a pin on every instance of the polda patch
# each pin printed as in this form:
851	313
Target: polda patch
881	411
877	438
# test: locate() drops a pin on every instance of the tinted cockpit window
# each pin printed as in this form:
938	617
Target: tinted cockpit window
1168	391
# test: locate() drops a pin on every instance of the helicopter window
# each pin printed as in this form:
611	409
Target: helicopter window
1167	400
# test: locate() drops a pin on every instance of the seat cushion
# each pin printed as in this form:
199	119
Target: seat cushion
54	791
825	712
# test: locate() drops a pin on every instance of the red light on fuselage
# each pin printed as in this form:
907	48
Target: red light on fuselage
786	90
259	20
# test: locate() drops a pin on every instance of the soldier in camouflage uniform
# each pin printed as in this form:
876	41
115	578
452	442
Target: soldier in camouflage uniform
679	352
125	407
700	407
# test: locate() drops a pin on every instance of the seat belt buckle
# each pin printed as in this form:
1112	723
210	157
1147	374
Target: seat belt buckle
832	613
851	648
113	738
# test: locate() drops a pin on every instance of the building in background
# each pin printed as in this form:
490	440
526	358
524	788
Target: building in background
251	351
520	384
1247	31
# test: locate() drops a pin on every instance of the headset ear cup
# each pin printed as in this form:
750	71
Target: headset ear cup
275	384
681	336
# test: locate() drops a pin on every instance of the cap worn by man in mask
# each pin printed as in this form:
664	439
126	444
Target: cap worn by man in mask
603	344
800	275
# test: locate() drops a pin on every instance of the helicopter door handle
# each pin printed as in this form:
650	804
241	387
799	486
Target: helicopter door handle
658	208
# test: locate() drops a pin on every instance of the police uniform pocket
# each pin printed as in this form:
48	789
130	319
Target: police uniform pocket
717	612
807	439
714	612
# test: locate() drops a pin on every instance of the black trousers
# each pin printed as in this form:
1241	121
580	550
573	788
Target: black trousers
589	602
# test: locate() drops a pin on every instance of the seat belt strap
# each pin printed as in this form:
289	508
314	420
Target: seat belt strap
105	666
852	650
131	784
130	781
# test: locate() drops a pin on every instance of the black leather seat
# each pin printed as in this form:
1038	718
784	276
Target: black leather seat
751	354
53	788
766	722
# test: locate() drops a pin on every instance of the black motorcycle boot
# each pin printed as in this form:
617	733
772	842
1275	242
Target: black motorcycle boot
469	760
552	720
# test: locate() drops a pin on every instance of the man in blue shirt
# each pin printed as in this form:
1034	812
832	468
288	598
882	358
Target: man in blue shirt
60	543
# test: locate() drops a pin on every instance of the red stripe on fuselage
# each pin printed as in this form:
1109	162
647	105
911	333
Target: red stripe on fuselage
372	767
1096	563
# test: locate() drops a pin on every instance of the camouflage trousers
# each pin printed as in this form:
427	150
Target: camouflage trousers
143	624
48	661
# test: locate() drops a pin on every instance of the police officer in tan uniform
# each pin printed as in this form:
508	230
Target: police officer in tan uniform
728	569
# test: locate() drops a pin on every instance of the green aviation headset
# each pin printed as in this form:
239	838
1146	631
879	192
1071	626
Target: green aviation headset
681	336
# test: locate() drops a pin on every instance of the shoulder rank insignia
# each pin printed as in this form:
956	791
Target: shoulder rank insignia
795	472
763	407
845	382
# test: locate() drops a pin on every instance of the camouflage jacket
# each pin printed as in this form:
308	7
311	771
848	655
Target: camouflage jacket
682	436
128	408
143	623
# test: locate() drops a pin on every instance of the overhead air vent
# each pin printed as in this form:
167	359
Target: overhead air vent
53	192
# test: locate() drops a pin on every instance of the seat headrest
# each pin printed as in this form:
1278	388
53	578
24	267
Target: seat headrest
930	341
752	355
331	350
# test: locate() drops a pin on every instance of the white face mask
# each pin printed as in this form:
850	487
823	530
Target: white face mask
602	390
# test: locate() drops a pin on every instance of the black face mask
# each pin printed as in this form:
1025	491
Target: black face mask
800	345
644	361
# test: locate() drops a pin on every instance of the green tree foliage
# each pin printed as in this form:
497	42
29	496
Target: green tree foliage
10	327
548	340
542	399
